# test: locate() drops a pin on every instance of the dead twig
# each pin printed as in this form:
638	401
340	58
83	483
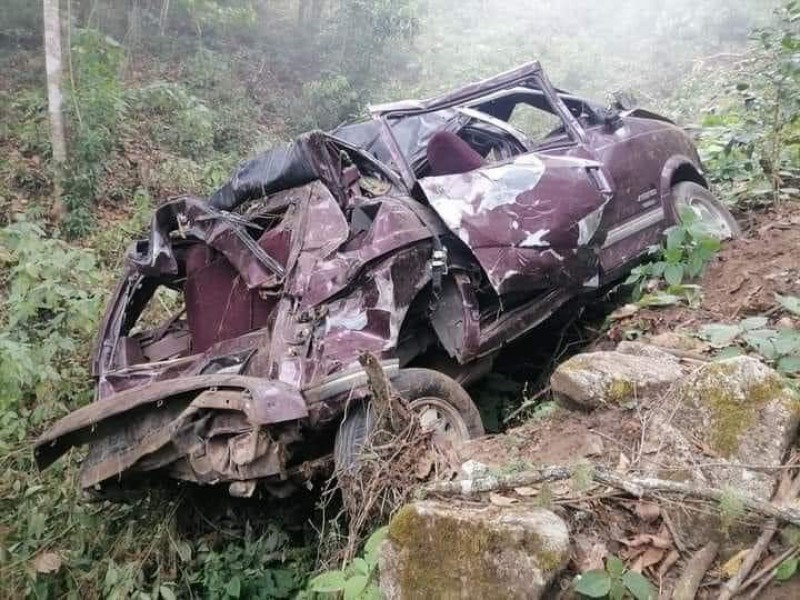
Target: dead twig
528	403
787	491
637	487
396	455
767	573
673	532
696	568
686	355
733	586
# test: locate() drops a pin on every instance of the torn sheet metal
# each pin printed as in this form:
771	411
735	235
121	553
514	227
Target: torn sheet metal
343	243
531	222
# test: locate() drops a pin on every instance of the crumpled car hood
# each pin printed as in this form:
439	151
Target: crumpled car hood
534	210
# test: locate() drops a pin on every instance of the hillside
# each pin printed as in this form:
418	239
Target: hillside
165	98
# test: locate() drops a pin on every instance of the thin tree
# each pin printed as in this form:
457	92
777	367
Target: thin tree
52	54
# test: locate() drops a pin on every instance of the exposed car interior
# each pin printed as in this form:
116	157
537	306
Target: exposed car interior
527	111
216	305
449	154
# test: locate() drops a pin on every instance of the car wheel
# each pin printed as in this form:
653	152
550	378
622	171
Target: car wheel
441	403
693	197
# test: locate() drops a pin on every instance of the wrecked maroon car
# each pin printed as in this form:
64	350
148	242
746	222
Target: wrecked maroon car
429	235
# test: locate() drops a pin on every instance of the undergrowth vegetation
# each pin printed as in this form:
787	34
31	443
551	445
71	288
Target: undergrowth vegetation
686	250
48	314
750	141
163	102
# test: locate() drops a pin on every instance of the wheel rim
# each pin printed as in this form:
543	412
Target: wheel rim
441	418
706	213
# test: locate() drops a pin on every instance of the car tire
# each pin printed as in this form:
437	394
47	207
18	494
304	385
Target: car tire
709	210
426	391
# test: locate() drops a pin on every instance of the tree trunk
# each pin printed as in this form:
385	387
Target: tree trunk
52	55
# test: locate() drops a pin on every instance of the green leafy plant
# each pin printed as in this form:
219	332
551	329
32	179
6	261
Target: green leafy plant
780	346
174	118
95	108
245	568
790	303
751	142
48	312
614	582
326	103
686	250
357	579
787	569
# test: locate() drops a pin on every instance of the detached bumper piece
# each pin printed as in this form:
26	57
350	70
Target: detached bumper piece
208	429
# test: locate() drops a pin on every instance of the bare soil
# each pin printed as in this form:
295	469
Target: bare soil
742	281
561	440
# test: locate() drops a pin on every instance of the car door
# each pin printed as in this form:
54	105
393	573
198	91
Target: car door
530	221
633	152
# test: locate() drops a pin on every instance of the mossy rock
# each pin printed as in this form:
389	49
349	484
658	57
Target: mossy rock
744	412
436	550
613	378
733	394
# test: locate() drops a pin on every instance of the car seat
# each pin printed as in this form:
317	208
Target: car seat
449	154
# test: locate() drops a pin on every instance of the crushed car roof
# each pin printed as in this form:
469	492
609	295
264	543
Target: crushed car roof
458	95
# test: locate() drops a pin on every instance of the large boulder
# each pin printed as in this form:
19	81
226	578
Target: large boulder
611	378
740	412
437	550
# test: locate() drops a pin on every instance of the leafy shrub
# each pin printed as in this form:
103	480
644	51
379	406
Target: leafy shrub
95	107
53	543
175	118
110	243
175	175
686	250
326	103
356	581
27	122
752	146
47	316
214	76
614	582
241	568
780	346
209	17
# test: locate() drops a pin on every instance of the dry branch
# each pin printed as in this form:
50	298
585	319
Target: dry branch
639	487
767	573
391	459
787	491
734	584
696	568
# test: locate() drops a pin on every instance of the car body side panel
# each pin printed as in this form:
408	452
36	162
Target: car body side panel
268	402
634	155
329	311
342	294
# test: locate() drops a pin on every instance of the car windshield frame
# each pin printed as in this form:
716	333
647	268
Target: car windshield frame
527	77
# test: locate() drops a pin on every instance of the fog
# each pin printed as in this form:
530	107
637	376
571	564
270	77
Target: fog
649	47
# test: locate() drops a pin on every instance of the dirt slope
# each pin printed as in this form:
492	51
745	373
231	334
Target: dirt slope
741	282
